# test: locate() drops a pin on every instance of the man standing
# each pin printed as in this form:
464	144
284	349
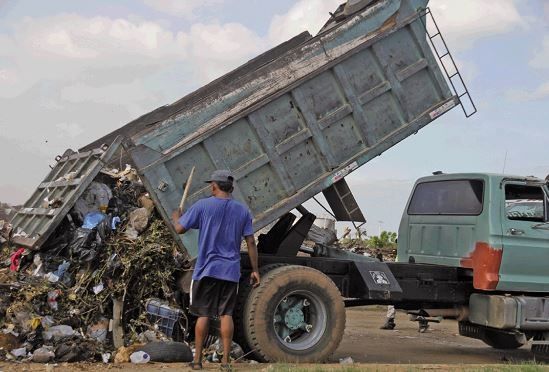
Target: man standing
222	223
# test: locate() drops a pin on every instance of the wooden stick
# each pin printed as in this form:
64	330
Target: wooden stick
117	330
186	191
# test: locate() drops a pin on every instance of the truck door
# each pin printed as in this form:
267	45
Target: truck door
524	265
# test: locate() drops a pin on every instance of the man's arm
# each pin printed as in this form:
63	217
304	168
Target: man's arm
176	215
252	252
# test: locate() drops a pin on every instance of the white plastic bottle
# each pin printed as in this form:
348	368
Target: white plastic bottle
140	357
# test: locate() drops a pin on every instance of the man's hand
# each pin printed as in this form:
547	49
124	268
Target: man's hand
254	279
175	220
176	215
252	252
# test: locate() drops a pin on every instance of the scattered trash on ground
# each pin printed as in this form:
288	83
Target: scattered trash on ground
140	357
346	360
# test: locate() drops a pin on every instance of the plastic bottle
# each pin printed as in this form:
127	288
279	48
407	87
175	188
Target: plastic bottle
140	357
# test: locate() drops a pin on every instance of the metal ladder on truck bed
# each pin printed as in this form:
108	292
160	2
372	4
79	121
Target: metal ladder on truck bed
455	77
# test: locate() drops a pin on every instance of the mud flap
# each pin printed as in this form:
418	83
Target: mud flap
378	282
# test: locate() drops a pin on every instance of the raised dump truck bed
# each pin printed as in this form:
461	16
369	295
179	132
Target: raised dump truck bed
302	119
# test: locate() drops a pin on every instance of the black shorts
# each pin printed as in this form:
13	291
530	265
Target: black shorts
212	297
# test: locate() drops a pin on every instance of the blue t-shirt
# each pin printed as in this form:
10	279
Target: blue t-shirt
222	223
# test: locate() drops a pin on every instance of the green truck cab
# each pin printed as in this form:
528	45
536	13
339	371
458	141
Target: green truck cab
496	227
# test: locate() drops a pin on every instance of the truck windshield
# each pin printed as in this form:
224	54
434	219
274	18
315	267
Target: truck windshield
451	197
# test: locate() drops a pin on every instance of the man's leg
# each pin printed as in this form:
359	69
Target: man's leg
227	329
390	318
391	312
200	333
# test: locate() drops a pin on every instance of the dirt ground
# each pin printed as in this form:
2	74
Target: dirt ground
404	349
366	343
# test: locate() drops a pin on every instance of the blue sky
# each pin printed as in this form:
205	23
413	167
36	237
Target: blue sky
71	71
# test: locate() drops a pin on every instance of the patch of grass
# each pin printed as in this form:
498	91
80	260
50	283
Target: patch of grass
313	368
527	366
513	368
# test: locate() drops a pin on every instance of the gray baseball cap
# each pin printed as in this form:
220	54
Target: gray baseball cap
221	175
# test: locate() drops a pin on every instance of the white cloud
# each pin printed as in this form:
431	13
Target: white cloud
70	130
135	95
69	79
541	58
7	76
71	36
218	48
71	48
305	15
469	70
462	22
541	92
103	52
466	21
540	61
181	8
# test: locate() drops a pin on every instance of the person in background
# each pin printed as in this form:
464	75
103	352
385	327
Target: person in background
390	317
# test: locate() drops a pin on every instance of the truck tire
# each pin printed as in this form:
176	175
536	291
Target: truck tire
296	315
503	340
244	289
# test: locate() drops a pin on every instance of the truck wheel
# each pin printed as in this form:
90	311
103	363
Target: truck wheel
295	315
239	316
503	340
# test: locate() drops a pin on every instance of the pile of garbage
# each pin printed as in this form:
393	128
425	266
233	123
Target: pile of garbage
97	284
363	247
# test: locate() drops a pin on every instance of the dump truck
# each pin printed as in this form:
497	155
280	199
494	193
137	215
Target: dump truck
293	123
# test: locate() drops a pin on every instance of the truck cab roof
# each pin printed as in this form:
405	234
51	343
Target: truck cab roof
498	177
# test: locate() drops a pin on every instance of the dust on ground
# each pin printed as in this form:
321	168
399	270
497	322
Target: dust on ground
402	349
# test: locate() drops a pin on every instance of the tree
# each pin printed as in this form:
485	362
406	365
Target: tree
387	239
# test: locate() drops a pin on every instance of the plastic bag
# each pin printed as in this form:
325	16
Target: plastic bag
94	199
60	274
104	229
15	259
52	299
83	245
44	354
19	353
93	219
115	222
62	269
139	219
57	244
57	332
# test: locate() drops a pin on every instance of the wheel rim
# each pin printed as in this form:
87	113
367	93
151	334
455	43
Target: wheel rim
300	320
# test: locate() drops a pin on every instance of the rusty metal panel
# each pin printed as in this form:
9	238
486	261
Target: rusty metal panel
297	125
56	195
